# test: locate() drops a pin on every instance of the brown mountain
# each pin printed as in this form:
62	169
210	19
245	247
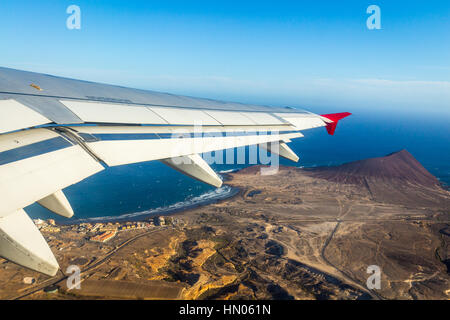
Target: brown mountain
400	166
395	178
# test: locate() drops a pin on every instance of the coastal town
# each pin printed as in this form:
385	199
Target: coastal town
105	231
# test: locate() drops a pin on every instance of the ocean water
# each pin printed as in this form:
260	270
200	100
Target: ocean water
153	188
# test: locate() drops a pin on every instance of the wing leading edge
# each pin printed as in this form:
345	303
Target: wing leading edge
64	133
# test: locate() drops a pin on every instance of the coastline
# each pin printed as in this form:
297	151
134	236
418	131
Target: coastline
187	205
143	216
164	211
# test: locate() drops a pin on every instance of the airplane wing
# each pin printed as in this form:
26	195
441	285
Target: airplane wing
55	132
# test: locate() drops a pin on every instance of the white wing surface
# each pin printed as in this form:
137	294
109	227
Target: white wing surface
55	132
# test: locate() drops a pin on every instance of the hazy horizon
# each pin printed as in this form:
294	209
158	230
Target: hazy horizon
317	55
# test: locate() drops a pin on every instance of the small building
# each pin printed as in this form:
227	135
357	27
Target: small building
105	236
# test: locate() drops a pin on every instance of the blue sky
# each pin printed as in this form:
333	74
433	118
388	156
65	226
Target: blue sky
313	54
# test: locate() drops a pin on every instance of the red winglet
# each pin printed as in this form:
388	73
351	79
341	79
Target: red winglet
335	117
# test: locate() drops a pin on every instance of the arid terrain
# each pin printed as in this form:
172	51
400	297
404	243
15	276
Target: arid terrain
296	234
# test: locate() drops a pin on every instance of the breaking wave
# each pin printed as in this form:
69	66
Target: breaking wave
229	171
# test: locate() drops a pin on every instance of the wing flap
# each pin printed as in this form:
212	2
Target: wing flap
96	112
263	118
16	116
229	118
146	147
26	181
179	116
302	121
23	138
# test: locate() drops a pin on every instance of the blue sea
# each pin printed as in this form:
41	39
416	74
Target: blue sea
153	188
